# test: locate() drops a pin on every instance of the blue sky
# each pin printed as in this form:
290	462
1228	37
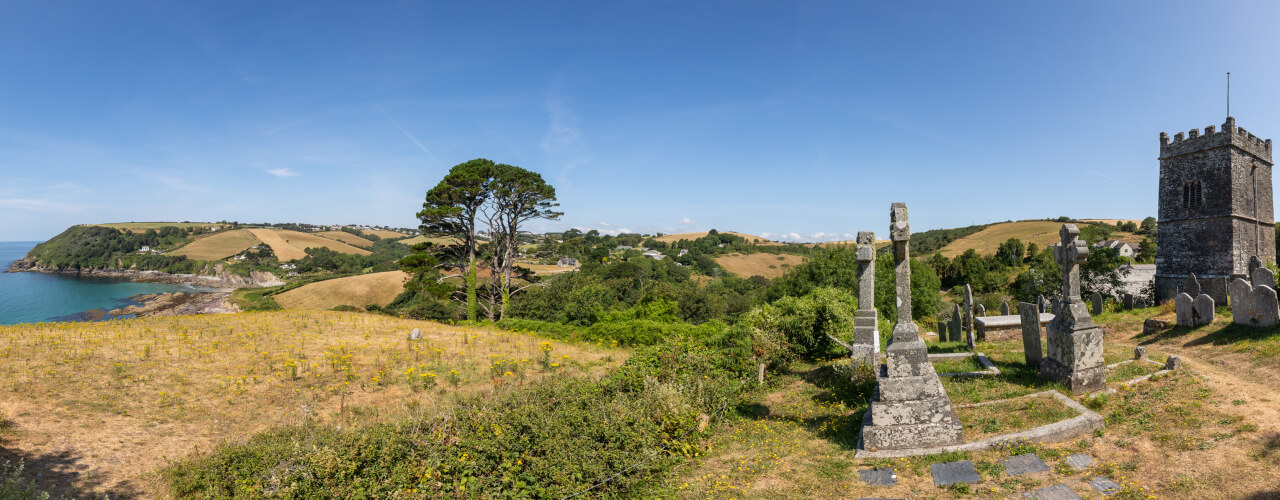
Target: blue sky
796	120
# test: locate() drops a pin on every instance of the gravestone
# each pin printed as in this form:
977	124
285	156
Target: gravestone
1105	486
1004	308
866	335
1182	305
954	472
910	408
957	324
883	476
1202	306
1265	310
942	331
980	310
968	313
1191	286
415	334
1253	305
1074	354
1079	461
1055	492
1030	333
1263	277
1128	301
1096	300
1173	363
1254	264
1241	294
1140	303
1041	303
1027	463
1139	353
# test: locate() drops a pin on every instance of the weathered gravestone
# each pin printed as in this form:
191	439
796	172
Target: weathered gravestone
1182	307
1253	305
1140	303
1074	342
866	336
957	324
1004	308
1191	286
910	408
1128	301
980	310
1263	277
1202	306
968	311
1030	333
942	331
1254	264
415	334
1041	303
1096	302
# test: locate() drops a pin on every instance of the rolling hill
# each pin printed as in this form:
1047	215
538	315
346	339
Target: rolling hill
672	238
290	245
218	246
347	238
758	264
359	291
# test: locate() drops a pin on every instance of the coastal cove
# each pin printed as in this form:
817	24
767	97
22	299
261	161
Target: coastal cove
30	297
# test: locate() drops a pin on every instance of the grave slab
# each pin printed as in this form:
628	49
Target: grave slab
1023	464
1055	492
1105	486
879	477
954	472
1079	461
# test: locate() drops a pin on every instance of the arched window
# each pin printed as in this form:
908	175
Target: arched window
1191	195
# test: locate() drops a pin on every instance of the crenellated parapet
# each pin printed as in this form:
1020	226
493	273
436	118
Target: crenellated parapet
1230	135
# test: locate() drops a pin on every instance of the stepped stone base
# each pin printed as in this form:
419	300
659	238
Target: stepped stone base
866	338
904	436
910	408
1080	381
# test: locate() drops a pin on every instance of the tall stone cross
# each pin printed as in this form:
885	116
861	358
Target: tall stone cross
1070	254
900	234
866	255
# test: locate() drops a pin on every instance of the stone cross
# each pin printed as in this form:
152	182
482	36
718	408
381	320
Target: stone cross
1254	263
1191	286
1070	254
900	234
866	255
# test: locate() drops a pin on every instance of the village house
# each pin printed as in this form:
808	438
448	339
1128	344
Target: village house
1126	249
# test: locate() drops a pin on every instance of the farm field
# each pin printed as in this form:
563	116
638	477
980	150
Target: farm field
97	408
358	291
143	226
384	234
427	239
759	264
672	238
347	238
290	245
986	241
219	245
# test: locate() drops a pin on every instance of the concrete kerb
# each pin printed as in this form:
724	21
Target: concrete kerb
988	368
1086	421
1130	382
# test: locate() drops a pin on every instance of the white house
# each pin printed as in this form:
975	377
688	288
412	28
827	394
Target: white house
1126	249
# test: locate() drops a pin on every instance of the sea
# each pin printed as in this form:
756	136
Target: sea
36	297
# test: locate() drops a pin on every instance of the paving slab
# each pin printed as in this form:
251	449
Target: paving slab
1105	486
1024	464
1079	461
954	472
879	477
1055	492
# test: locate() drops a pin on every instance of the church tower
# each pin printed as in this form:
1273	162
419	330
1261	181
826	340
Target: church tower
1216	209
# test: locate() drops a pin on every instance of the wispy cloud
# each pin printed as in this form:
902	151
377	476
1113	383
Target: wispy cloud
282	172
407	134
686	221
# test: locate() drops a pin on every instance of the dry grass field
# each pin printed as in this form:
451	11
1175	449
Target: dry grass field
143	226
219	245
384	234
290	245
986	241
347	238
99	407
358	291
759	264
428	239
672	238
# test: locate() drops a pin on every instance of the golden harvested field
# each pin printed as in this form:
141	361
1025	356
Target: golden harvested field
347	238
290	245
384	234
1113	221
143	226
672	238
99	407
358	291
759	264
986	241
219	245
424	239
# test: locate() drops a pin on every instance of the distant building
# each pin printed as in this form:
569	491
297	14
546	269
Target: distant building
654	254
1126	249
567	262
144	249
682	252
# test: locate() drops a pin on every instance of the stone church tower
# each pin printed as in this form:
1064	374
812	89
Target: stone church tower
1215	209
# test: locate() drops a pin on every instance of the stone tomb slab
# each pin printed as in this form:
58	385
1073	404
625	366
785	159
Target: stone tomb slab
1024	464
884	476
949	473
1055	492
1079	461
1105	486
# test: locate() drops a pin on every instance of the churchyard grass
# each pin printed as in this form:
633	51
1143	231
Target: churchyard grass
124	397
981	422
969	364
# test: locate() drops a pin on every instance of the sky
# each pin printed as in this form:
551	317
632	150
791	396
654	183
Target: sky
796	120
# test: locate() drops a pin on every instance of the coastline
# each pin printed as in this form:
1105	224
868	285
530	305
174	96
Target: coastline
222	281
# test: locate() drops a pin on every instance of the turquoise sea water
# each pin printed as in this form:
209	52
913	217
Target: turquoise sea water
35	297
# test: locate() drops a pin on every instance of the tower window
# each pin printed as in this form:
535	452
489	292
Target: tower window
1191	195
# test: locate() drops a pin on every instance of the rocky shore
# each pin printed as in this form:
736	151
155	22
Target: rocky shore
220	279
177	303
